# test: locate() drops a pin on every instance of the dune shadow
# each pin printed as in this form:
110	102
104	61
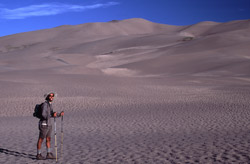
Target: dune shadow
17	154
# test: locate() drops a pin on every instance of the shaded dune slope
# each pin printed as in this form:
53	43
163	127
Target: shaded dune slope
132	47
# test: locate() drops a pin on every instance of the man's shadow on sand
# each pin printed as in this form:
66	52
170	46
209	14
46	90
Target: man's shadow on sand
17	154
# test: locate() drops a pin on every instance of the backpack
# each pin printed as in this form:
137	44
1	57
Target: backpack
38	111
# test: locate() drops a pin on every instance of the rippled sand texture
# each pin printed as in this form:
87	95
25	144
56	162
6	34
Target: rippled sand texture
144	121
133	92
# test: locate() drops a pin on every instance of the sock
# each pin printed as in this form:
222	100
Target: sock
48	150
39	151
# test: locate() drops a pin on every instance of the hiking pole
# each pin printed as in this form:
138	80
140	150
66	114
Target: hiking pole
55	138
61	136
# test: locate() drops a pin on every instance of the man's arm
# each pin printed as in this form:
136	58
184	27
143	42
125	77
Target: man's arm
44	111
55	114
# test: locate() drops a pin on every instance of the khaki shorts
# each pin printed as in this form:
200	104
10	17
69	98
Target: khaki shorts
45	131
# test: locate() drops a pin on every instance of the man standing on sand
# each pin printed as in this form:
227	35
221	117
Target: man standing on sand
45	126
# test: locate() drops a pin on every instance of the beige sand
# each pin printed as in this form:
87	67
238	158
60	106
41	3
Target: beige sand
133	92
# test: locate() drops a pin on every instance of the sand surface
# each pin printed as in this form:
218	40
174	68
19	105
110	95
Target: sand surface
142	121
133	92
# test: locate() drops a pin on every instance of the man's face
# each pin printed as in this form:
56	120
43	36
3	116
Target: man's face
51	97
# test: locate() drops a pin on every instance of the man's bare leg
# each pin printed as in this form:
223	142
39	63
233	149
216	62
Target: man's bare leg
49	154
39	143
39	146
48	139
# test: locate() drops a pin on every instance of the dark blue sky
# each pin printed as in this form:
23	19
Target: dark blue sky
20	16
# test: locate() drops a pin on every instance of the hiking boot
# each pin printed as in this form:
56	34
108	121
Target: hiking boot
50	156
40	157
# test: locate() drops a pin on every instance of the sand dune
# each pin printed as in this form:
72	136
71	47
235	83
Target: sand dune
133	91
134	44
